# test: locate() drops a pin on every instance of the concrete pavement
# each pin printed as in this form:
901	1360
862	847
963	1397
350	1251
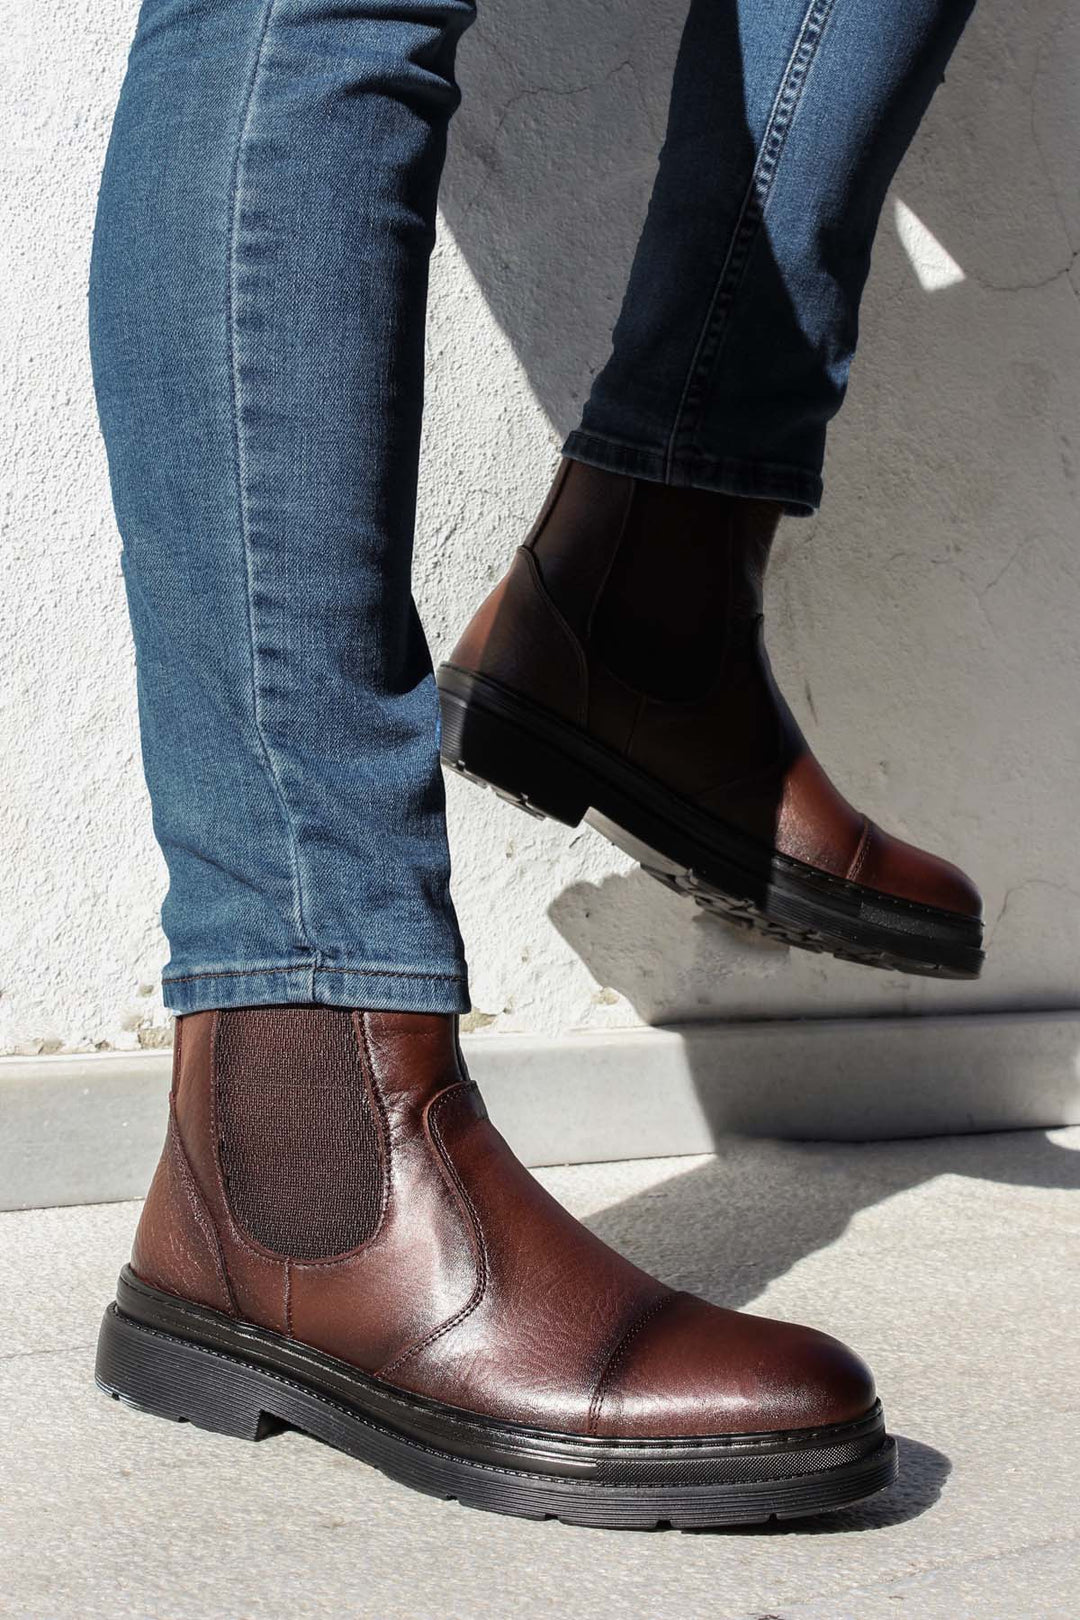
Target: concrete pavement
952	1264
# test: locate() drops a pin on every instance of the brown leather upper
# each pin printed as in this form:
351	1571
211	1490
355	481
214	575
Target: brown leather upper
592	638
476	1289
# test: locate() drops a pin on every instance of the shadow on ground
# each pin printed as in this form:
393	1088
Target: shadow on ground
730	1227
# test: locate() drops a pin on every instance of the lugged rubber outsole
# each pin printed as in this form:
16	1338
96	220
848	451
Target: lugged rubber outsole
549	768
186	1380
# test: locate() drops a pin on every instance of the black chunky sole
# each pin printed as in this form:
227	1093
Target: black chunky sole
550	768
178	1360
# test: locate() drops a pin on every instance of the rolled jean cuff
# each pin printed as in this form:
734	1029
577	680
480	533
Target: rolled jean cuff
376	989
796	488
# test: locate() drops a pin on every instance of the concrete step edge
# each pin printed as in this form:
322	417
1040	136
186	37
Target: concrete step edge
88	1129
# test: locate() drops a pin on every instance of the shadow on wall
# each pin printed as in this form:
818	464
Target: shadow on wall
923	626
554	148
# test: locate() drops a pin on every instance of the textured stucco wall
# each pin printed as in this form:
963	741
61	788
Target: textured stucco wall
925	625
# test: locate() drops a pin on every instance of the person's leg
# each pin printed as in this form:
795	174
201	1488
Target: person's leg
731	353
336	1236
257	302
619	668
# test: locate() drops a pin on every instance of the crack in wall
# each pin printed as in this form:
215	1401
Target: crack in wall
486	153
1015	888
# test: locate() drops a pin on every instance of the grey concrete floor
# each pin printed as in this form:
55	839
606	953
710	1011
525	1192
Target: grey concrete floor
952	1264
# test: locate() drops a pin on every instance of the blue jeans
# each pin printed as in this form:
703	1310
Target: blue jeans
257	302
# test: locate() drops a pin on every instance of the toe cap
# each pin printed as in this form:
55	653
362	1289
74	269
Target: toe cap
697	1369
894	867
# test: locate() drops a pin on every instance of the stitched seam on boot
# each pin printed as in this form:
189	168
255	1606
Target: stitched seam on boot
540	589
618	1356
418	1445
605	578
178	1041
858	860
639	710
200	1213
550	502
472	1220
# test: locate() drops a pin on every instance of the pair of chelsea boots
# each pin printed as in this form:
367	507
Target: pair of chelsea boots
337	1238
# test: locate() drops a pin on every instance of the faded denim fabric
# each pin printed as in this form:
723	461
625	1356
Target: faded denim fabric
257	299
732	350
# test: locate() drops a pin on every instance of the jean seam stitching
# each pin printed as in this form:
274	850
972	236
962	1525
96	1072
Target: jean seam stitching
240	467
798	477
307	967
750	220
576	651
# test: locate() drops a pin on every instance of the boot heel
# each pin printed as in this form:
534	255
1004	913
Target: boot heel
173	1378
499	753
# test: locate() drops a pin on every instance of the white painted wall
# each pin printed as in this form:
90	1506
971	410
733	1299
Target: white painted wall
926	625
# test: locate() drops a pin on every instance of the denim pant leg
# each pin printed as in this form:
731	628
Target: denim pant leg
258	293
731	353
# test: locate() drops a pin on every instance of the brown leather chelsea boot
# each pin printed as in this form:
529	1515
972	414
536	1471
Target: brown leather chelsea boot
619	672
338	1240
